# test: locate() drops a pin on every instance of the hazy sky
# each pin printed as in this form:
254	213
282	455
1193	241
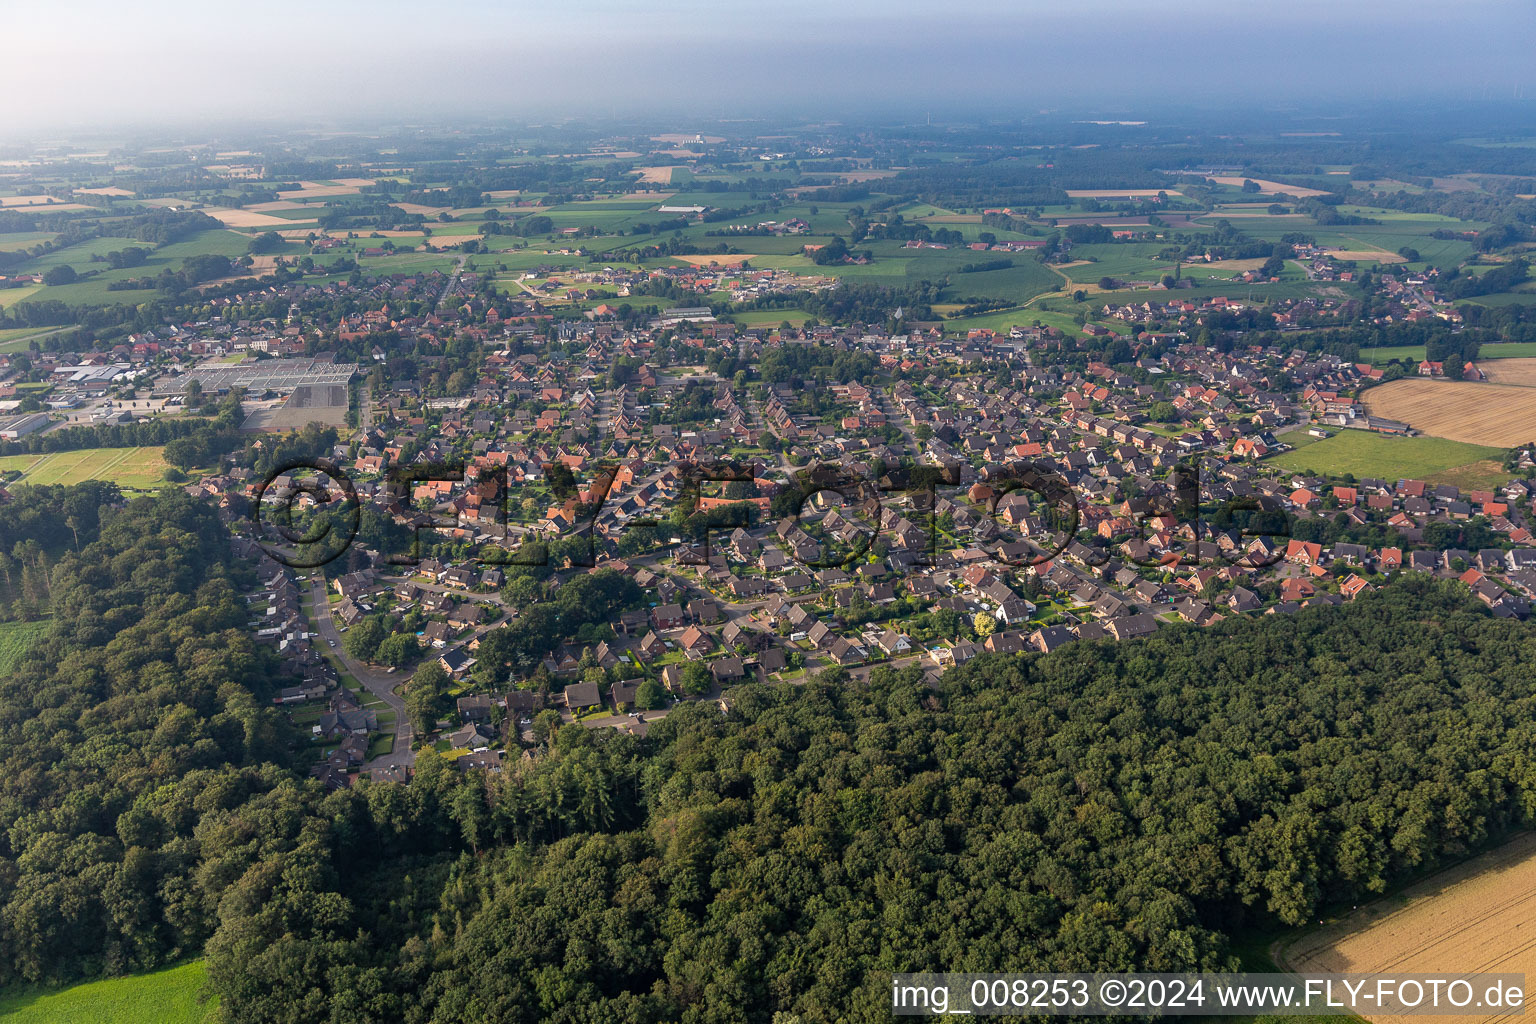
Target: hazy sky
125	64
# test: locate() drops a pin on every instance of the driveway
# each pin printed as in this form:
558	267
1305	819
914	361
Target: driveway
616	721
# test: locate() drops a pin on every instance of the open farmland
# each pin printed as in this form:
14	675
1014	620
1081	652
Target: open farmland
718	259
660	175
247	218
1477	413
1267	187
322	189
1519	371
1365	256
1472	918
139	468
1365	453
18	339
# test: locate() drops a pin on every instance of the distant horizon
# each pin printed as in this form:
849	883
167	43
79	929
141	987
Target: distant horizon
169	62
1446	118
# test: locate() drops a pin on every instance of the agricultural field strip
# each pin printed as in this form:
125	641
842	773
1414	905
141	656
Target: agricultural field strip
1496	415
1469	919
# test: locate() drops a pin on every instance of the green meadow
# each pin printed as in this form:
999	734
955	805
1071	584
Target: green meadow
1381	355
14	638
94	289
1415	353
1363	453
160	997
130	468
19	339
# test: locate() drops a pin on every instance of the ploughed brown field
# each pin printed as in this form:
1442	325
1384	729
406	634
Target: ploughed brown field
1478	917
1475	412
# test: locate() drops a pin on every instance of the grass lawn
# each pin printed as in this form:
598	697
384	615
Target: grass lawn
11	296
18	339
770	317
1025	316
1380	356
138	468
1298	437
14	638
160	997
1508	349
1423	458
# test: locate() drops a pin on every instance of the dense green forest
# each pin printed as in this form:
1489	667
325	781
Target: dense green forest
129	731
1112	806
1124	806
37	525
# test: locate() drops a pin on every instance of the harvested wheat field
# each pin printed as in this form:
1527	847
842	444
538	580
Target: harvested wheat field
1267	187
1520	372
317	190
656	175
718	259
1477	413
251	219
112	190
1474	918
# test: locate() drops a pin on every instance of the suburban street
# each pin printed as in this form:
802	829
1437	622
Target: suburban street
453	279
376	681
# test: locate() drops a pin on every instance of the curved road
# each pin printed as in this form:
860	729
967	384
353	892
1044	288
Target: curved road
376	681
